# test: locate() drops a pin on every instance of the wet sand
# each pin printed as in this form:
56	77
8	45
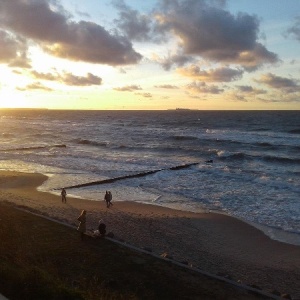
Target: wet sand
215	243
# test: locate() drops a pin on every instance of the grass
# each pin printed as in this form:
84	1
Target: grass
41	259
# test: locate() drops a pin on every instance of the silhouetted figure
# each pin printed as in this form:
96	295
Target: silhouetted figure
102	228
109	198
63	196
82	223
106	198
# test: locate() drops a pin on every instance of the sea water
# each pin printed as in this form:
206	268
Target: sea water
254	174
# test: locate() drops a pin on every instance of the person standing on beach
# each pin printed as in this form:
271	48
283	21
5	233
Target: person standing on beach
63	196
82	223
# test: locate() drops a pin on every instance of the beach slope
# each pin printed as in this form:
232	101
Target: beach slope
214	243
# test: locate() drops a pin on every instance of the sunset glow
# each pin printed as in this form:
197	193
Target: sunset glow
156	55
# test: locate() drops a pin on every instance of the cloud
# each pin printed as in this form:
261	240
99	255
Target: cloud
123	71
244	93
281	98
134	25
214	33
215	75
258	56
203	88
202	28
295	29
69	79
43	22
247	89
236	97
128	88
13	50
146	95
90	79
45	76
35	86
166	86
288	85
172	59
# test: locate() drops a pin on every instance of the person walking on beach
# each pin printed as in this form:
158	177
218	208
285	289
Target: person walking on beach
106	198
82	224
109	198
63	196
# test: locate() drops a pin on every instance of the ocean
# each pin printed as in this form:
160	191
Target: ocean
242	163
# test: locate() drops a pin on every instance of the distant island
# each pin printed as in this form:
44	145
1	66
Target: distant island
183	109
22	108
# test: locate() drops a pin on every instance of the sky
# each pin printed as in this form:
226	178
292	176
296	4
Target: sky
150	55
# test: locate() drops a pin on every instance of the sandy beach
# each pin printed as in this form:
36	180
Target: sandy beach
215	243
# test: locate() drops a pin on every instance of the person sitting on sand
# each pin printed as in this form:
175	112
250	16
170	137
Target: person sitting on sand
102	228
63	196
82	223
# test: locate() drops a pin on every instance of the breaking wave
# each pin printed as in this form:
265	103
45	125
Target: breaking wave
89	142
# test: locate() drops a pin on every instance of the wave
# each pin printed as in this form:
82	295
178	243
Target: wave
89	142
35	148
281	159
183	137
264	144
269	146
235	156
294	131
104	144
261	129
268	158
45	135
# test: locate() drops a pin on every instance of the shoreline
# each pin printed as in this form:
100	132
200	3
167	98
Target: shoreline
213	242
276	234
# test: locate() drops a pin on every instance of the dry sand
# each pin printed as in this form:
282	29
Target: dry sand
215	243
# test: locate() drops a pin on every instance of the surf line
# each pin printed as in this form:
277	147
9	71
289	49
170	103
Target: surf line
110	180
35	148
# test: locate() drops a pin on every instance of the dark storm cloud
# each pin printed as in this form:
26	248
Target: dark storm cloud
128	88
203	88
69	78
214	75
42	22
277	82
214	33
